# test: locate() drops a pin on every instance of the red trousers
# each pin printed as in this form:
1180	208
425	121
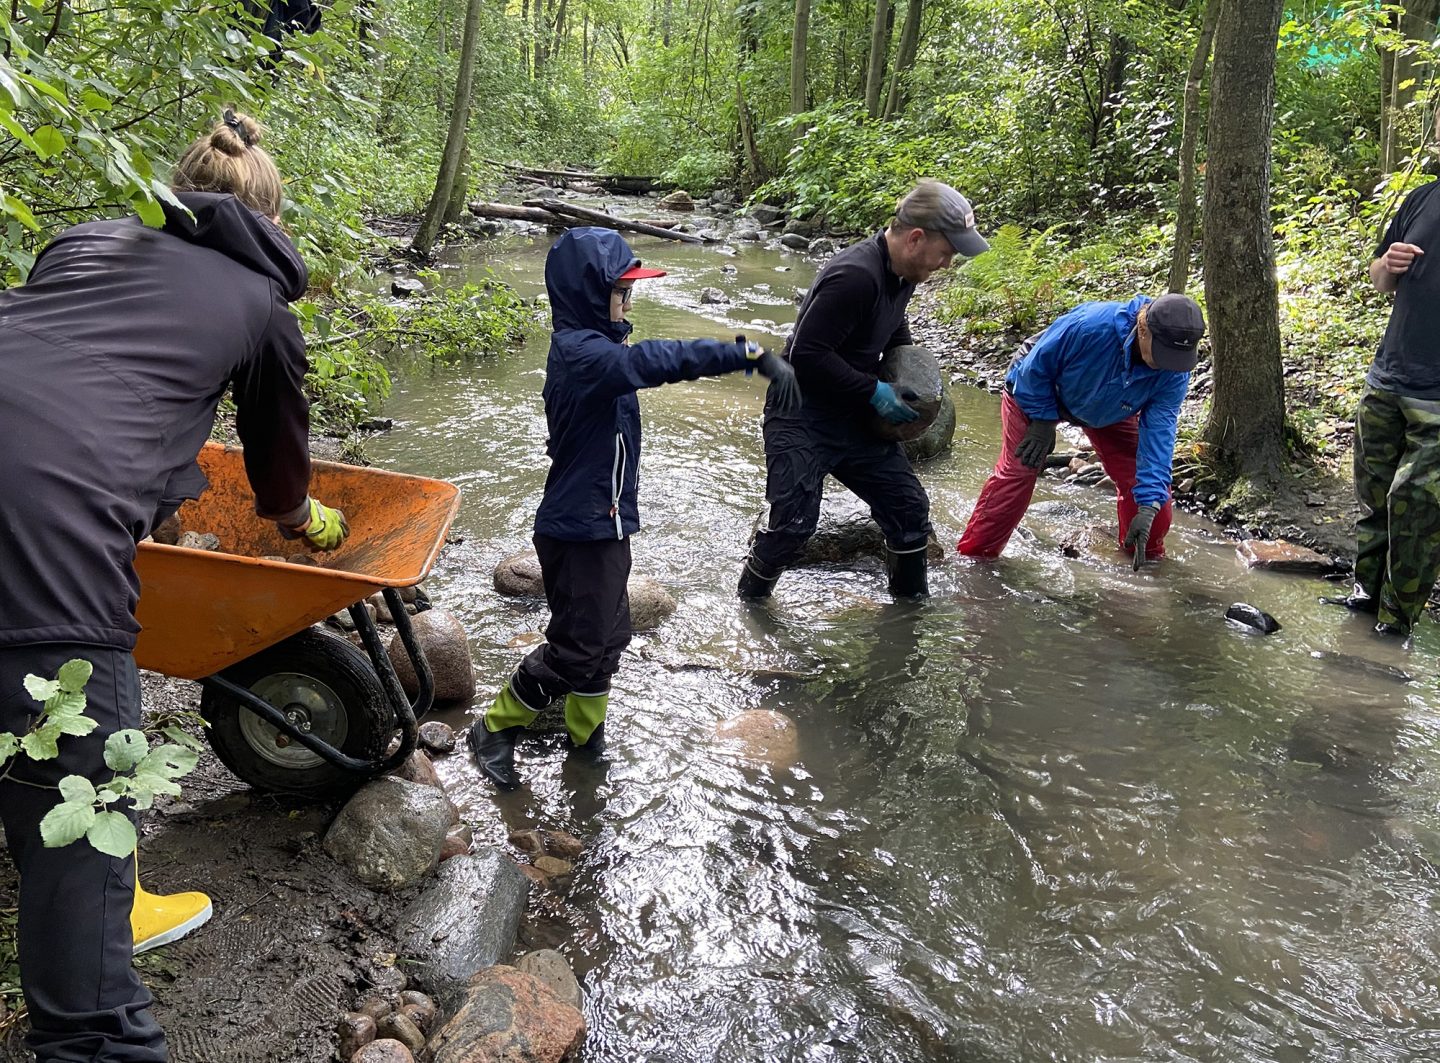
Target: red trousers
1006	495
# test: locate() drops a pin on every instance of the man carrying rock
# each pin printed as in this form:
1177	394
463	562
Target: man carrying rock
852	315
1397	431
1120	371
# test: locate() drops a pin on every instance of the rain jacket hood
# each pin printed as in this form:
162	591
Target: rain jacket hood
591	377
222	223
580	272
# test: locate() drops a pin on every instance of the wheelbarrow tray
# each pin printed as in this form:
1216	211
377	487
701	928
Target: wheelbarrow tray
201	611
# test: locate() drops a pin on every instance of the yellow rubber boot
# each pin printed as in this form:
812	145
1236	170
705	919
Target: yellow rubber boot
159	919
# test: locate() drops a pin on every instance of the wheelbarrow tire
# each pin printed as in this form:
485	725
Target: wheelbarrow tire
318	671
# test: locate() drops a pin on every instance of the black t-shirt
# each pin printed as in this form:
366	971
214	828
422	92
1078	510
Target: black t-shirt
1408	361
854	313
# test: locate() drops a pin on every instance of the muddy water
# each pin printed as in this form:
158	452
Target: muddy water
1059	811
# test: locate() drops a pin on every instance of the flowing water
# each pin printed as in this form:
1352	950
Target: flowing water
1059	811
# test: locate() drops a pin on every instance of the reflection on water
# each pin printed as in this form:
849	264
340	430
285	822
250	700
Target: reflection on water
1059	811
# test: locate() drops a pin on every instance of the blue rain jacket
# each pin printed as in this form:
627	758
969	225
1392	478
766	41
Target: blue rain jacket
591	378
1085	368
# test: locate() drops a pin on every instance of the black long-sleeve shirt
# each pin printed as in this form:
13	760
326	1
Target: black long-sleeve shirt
853	314
113	359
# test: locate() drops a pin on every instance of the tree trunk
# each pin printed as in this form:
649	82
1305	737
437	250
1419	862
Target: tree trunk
799	102
525	35
1189	141
459	191
450	159
666	17
1245	430
538	10
1403	75
559	34
875	71
909	47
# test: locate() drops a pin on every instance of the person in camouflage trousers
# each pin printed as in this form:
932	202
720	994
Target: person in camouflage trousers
1397	482
1397	430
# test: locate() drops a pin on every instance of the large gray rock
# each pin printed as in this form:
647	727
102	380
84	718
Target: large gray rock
509	1017
766	214
389	834
761	736
446	648
678	200
748	234
518	576
795	242
713	296
464	921
915	373
802	226
936	439
650	603
846	532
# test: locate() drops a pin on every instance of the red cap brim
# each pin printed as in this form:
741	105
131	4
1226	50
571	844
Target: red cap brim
635	273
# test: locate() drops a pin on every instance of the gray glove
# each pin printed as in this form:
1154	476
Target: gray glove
1138	534
783	385
1037	443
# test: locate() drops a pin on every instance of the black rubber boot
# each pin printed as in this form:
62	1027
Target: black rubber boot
495	753
752	584
908	572
1395	630
1357	601
594	747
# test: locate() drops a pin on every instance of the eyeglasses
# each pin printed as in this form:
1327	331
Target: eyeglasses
625	294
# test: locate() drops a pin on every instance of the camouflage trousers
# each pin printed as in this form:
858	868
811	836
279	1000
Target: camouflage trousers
1397	482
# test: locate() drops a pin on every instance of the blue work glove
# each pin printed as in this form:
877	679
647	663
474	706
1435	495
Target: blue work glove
1138	534
324	528
890	405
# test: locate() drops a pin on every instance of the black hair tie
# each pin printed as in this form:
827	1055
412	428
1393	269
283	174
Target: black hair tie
236	126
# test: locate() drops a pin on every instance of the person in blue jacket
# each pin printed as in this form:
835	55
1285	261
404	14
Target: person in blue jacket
1118	370
589	509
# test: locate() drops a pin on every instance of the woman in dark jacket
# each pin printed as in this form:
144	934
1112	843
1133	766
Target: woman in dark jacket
590	510
113	359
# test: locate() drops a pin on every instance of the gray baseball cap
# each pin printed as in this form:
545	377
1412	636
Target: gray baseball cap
1176	325
936	207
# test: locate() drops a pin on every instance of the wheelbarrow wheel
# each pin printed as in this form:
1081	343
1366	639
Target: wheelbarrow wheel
322	682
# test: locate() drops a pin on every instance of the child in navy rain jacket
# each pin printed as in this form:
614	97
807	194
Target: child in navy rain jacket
589	510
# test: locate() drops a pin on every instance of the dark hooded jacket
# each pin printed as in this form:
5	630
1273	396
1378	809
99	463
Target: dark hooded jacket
113	358
591	378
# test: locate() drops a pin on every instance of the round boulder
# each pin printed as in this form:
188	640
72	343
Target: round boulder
762	736
915	374
385	1050
518	576
936	439
650	603
446	648
678	200
390	833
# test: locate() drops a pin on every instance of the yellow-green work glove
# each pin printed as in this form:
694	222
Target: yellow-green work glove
325	529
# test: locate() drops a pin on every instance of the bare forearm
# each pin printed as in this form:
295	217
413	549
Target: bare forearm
1382	278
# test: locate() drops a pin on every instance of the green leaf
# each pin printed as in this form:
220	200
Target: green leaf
18	131
63	704
168	761
151	213
77	789
8	745
76	725
149	782
92	100
18	210
182	737
113	834
49	142
65	823
45	87
40	744
124	749
41	689
74	675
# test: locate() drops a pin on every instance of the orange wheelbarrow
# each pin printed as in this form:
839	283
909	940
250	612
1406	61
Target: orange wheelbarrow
292	707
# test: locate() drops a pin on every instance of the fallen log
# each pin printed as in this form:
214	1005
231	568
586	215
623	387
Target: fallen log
513	213
596	217
633	184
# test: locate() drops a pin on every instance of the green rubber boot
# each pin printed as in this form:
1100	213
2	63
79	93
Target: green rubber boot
585	720
493	738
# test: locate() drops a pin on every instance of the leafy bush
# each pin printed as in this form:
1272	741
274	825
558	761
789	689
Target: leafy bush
1021	284
698	171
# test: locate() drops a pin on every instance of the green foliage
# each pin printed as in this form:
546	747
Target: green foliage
698	171
1021	284
140	772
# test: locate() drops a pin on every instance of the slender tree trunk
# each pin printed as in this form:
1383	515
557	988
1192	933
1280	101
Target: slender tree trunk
559	33
1403	75
585	40
525	35
541	23
909	48
1246	427
450	159
1189	144
799	38
459	191
875	71
666	17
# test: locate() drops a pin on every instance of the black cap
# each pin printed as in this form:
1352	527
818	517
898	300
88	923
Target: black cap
1176	325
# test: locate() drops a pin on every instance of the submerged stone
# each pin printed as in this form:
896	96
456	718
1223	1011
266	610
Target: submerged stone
1248	616
1279	555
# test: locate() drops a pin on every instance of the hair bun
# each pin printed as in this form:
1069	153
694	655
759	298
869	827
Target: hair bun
236	127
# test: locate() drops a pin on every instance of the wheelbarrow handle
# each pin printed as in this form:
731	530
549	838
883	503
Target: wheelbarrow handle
407	713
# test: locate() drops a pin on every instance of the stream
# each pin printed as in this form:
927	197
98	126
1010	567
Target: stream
1059	811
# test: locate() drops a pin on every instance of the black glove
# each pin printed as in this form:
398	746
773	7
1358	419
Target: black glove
1138	534
781	375
1037	444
